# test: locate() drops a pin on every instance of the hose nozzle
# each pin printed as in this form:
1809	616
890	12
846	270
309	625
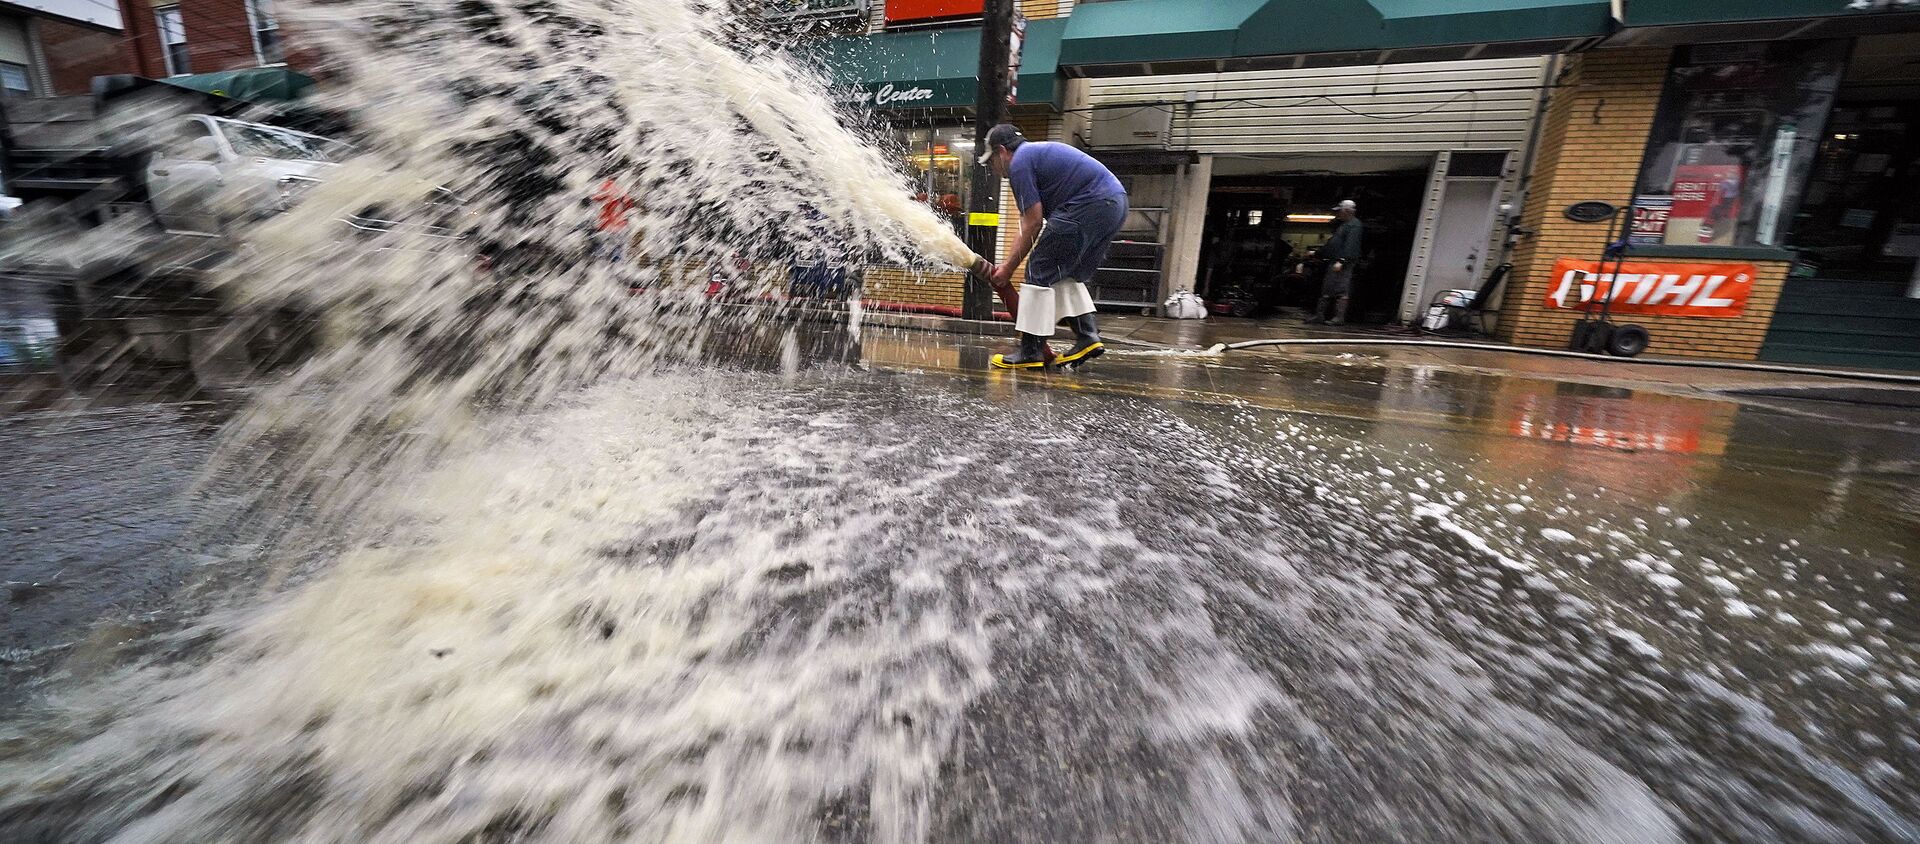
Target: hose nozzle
982	268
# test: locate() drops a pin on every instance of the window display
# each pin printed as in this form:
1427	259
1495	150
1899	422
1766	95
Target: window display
1733	142
14	81
937	156
1861	215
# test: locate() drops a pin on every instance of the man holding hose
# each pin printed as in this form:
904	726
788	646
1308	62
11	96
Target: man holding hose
1082	206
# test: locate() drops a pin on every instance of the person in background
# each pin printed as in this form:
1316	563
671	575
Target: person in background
1083	206
1341	252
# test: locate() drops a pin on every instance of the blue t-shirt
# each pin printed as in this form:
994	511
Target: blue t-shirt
1058	175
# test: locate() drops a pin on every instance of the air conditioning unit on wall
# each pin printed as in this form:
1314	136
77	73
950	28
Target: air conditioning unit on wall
1132	127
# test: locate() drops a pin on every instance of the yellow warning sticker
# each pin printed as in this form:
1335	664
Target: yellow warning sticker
982	219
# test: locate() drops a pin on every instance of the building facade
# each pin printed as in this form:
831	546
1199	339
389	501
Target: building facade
1248	164
1235	133
1738	178
1765	163
56	47
186	37
1753	162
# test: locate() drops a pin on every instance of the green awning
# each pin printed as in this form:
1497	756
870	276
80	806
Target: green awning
936	68
1682	12
1422	23
1146	32
254	84
1133	31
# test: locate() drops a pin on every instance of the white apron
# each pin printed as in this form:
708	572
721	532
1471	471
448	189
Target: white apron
1041	308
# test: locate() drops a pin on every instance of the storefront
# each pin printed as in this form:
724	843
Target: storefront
1762	151
1773	186
1236	125
1423	114
914	90
1428	150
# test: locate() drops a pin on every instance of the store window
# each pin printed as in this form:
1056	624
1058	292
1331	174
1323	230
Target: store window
1861	215
1733	142
14	81
937	156
173	40
15	57
266	32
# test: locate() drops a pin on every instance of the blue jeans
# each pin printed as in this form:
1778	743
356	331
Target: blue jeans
1075	241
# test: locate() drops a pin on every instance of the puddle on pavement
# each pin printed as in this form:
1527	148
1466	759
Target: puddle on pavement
813	593
540	567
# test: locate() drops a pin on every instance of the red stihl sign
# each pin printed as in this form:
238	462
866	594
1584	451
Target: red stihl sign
922	10
1693	290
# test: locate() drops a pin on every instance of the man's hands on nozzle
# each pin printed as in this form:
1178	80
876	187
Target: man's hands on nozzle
1000	275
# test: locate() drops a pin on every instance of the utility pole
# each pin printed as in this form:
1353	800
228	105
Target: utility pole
989	110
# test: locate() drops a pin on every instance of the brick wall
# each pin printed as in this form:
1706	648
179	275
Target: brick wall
1042	9
76	54
1596	129
219	37
895	284
143	39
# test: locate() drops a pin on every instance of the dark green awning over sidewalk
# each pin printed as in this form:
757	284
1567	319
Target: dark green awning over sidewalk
1423	23
937	68
1682	12
1126	31
1148	32
254	84
1652	23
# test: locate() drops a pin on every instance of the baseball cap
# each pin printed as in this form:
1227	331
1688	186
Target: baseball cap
1004	135
1346	205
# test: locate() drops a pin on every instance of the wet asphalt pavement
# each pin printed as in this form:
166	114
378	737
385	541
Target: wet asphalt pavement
1359	599
97	523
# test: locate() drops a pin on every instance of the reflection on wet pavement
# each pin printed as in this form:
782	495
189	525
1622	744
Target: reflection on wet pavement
95	522
1162	598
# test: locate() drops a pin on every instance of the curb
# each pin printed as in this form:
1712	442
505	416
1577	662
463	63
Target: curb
930	322
986	328
956	325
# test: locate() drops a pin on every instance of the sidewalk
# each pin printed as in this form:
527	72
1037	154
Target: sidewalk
1673	375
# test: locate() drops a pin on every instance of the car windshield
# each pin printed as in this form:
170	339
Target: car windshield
267	142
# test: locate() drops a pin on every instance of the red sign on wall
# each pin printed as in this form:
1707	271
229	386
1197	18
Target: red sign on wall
900	11
1646	287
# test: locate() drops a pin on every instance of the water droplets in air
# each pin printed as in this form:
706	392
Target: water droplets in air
507	626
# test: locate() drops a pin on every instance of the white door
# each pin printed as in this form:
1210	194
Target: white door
184	178
1461	233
